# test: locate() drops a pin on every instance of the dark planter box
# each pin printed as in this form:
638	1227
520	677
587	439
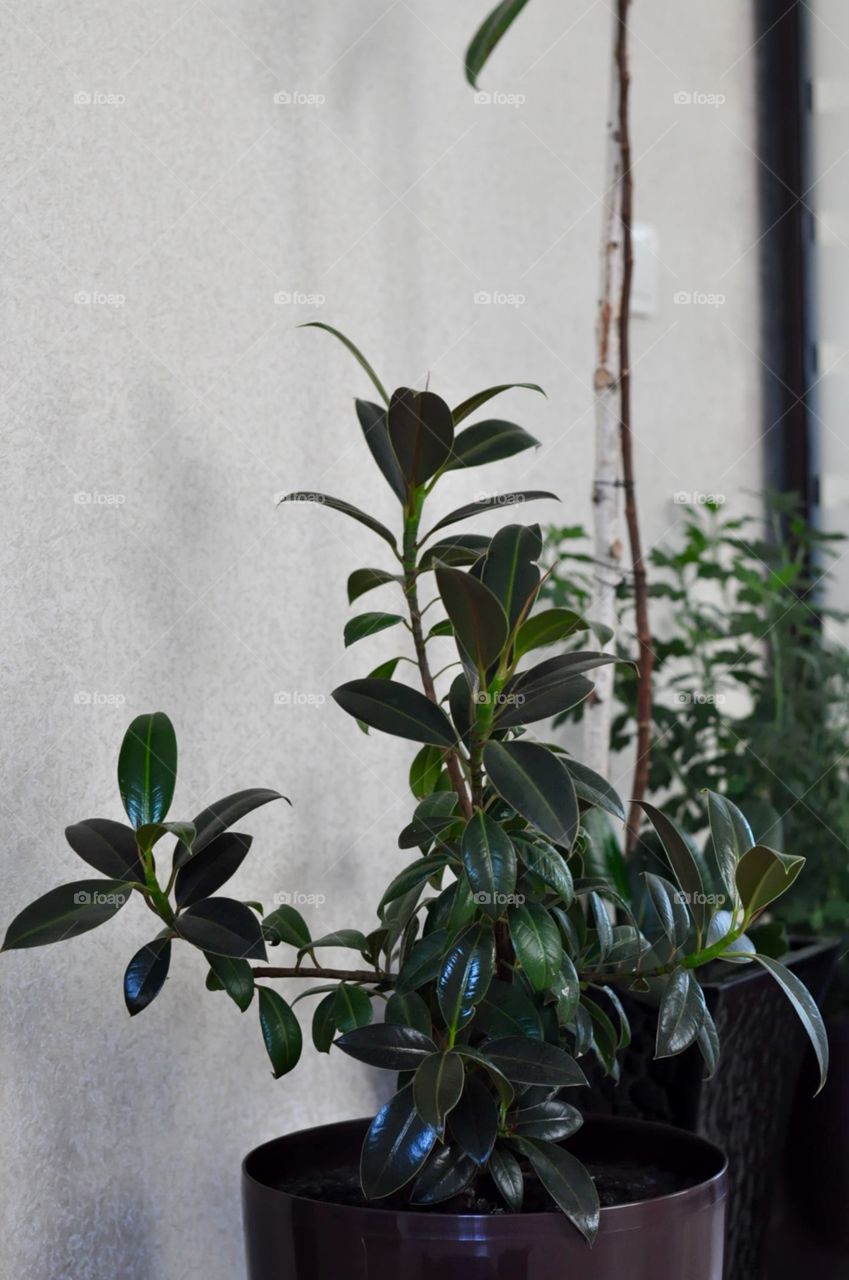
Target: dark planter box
673	1237
745	1109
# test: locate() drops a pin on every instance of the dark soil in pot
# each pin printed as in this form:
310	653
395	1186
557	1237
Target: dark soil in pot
625	1182
676	1234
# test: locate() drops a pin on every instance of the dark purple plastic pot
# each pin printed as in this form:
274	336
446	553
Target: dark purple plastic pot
674	1237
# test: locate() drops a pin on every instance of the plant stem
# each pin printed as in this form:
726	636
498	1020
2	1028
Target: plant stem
344	975
646	656
452	761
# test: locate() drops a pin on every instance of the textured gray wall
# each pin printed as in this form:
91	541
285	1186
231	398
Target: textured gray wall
147	430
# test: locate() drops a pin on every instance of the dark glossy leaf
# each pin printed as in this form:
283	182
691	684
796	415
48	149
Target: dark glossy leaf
731	836
495	503
433	816
417	873
147	768
535	783
806	1009
352	1007
465	975
506	1173
545	628
682	862
396	1147
423	963
536	941
204	874
526	1061
479	621
224	927
369	624
551	1120
110	847
384	1045
376	431
549	688
446	1174
395	708
337	504
66	912
280	1031
285	924
682	1014
490	862
457	550
603	924
217	817
708	1043
671	912
437	1086
474	1121
506	1011
235	977
763	875
460	704
566	1181
488	35
355	352
488	441
146	974
421	432
408	1010
351	939
364	580
510	569
594	790
547	865
480	398
324	1023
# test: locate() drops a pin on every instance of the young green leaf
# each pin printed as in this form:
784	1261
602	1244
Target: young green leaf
763	875
352	1007
286	924
488	35
147	768
546	628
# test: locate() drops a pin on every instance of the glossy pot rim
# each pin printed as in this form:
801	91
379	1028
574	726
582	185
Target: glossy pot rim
647	1135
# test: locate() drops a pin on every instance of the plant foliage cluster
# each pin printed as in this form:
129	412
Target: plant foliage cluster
499	956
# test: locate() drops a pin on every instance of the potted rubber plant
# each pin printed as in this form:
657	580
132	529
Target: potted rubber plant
494	967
